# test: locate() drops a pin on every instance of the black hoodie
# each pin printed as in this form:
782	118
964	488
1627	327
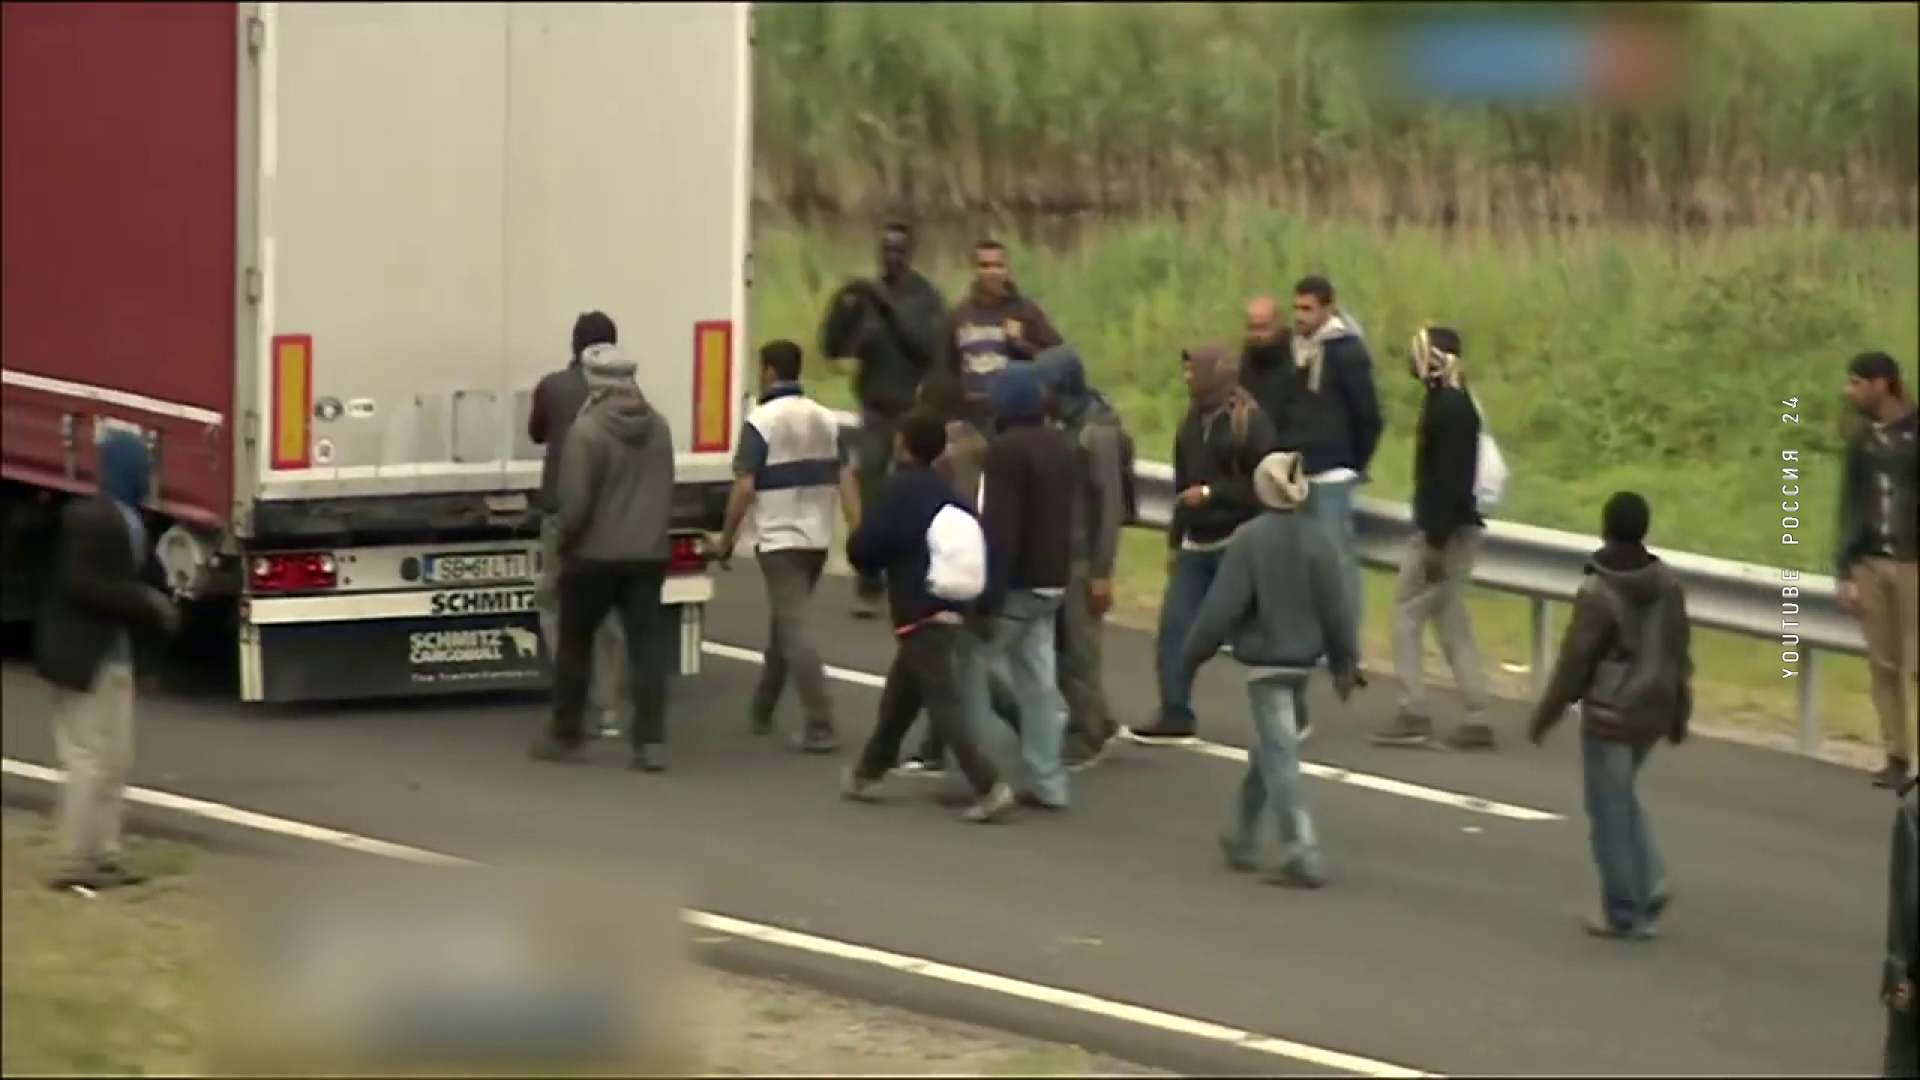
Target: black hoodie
895	331
1631	604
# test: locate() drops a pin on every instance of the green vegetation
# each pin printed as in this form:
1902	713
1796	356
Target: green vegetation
1155	165
1787	111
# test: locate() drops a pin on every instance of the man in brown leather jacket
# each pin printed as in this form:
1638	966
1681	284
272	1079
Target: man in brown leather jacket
1626	660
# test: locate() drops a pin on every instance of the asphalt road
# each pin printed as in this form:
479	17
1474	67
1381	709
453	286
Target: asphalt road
1449	940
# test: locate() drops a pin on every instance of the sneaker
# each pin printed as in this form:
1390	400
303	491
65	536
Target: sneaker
921	767
1035	802
1235	854
858	788
120	873
1405	729
85	881
609	727
1598	925
646	759
760	726
1470	737
1293	874
548	748
1892	776
992	806
819	740
1657	908
1302	729
1163	734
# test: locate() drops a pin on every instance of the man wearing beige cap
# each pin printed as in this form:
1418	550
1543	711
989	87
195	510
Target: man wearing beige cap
1279	601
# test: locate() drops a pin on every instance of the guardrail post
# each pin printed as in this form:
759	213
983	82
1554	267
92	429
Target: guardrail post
1540	652
1809	701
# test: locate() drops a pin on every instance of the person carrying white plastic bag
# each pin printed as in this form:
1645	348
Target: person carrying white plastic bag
1456	467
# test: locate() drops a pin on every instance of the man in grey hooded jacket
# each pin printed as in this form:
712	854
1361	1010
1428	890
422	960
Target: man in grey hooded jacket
613	503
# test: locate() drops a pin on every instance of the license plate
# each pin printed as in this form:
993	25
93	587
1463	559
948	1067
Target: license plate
478	566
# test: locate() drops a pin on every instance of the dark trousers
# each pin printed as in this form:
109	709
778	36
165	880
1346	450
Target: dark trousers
1901	1058
1090	722
631	593
791	576
923	677
875	449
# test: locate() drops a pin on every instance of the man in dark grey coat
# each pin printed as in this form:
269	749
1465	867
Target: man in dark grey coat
557	400
613	502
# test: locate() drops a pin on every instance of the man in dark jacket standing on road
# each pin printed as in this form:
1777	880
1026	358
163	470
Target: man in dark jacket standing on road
614	503
1437	569
1626	660
895	540
1879	560
1277	600
895	329
557	401
1331	414
1026	495
995	325
1221	442
83	647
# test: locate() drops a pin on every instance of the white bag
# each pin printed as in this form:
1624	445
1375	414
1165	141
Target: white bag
1490	473
956	555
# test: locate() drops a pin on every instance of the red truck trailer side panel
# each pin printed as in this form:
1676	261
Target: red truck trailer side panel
119	170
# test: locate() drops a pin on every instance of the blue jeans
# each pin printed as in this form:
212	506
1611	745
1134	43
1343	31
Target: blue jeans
1330	502
1187	587
1023	646
1633	881
1272	784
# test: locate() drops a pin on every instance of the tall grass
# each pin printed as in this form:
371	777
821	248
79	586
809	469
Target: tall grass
1789	113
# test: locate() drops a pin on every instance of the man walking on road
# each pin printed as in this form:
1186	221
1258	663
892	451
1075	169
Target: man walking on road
996	325
1098	511
1437	569
790	470
1025	507
83	648
614	502
1331	414
895	329
1626	659
933	556
557	401
1221	442
1277	599
1877	567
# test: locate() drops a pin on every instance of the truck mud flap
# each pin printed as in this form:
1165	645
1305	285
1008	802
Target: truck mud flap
380	658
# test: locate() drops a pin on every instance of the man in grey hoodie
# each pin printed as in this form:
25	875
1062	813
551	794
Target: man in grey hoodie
557	400
1097	513
613	502
1278	599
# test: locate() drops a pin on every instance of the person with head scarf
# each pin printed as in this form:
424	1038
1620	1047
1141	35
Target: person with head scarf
1098	510
613	505
557	400
1437	569
1223	439
83	647
1026	492
1277	601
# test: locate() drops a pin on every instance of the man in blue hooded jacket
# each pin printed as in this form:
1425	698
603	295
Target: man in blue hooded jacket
83	647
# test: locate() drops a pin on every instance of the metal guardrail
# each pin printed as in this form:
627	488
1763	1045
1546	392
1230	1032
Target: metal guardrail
1545	566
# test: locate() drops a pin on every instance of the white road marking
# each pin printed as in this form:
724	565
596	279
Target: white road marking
1384	784
1140	1016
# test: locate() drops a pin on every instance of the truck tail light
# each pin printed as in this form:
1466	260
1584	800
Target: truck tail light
302	571
688	555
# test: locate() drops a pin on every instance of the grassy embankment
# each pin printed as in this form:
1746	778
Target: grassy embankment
1612	347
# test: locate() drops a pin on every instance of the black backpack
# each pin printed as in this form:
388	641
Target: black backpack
1106	416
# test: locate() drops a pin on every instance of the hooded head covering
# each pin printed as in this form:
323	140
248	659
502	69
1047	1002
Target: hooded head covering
1436	356
607	369
1278	483
1216	375
126	472
593	328
1065	377
1017	397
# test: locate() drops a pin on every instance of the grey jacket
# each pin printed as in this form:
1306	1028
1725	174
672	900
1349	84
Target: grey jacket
1276	599
615	492
1098	513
